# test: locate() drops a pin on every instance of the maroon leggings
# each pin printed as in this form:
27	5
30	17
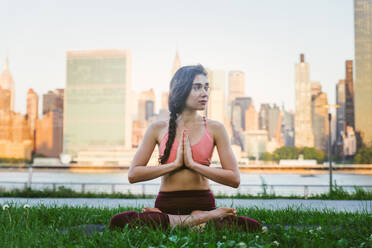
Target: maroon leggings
182	203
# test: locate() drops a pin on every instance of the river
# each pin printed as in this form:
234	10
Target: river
254	180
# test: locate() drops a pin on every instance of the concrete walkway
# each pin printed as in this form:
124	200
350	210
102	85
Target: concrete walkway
274	204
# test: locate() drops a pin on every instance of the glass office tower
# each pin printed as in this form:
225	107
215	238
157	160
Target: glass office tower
97	97
363	69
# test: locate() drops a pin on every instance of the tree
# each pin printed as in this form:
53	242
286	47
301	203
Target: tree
313	153
285	153
363	156
266	156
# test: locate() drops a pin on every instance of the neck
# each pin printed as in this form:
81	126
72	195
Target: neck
188	116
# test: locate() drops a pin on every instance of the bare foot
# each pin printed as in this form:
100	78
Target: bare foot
148	209
222	212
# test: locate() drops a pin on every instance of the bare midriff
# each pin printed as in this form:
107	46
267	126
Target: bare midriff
183	179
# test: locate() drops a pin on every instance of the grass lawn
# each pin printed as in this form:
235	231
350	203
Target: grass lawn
338	193
38	227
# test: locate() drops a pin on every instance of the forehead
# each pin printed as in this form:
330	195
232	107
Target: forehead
200	78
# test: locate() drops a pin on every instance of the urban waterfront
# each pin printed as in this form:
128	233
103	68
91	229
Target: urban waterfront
251	183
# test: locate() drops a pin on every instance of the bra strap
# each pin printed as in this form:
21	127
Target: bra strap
205	122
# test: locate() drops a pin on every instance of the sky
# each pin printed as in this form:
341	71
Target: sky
261	38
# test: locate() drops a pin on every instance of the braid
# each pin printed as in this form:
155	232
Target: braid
180	88
171	136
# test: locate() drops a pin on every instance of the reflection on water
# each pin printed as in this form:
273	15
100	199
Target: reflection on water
121	176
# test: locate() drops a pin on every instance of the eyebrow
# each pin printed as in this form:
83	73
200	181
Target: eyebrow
207	83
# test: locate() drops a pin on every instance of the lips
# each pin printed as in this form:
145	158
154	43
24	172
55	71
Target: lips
203	102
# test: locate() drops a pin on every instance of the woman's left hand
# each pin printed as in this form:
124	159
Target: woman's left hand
187	155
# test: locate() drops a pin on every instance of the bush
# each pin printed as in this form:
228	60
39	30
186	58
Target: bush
266	156
285	153
363	156
313	153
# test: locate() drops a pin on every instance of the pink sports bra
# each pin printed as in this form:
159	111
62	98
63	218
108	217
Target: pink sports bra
201	151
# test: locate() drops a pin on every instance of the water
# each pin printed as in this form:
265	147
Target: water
121	176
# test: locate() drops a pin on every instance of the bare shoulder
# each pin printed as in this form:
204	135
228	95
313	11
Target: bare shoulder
157	126
216	128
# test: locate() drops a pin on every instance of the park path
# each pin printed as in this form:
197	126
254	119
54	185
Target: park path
274	204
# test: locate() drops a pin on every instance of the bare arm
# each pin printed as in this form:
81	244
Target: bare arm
138	171
229	173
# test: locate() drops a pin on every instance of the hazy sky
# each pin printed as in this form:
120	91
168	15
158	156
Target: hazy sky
261	38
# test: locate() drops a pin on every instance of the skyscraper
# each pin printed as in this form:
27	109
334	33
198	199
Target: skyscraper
251	118
275	124
288	128
263	117
7	83
32	112
49	134
176	64
164	100
319	116
349	94
240	105
216	103
146	106
303	123
53	100
340	112
363	69
236	85
4	100
15	140
97	101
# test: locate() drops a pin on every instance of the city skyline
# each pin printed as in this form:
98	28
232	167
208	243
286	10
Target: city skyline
266	51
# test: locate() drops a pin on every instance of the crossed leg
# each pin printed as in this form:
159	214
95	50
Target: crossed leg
220	218
196	217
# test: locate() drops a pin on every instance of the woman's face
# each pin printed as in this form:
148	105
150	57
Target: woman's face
198	97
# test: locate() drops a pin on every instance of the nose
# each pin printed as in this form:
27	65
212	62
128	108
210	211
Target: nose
204	92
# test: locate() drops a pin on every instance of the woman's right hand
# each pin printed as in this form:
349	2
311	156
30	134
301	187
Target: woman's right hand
179	158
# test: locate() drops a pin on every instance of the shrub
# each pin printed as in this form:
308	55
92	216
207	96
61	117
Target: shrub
285	153
266	156
363	156
313	153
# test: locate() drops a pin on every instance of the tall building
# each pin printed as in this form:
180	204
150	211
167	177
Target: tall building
4	100
97	111
164	100
363	69
32	110
236	85
340	112
319	117
15	140
49	134
275	125
7	83
146	106
263	117
53	100
176	63
216	103
288	128
255	143
349	92
239	106
270	119
251	118
303	123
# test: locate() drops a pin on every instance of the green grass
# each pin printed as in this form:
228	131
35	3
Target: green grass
337	194
38	227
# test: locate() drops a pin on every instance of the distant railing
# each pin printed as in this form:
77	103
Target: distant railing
153	188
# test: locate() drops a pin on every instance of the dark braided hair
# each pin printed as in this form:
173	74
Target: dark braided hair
180	87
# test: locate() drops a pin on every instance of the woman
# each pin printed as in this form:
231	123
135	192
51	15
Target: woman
186	145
